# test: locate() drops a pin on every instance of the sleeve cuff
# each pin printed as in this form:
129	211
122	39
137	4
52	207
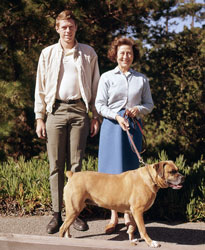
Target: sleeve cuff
40	116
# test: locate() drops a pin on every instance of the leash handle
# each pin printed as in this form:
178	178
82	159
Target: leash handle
135	121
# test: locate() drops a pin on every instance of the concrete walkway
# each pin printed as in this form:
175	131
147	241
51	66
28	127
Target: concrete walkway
28	233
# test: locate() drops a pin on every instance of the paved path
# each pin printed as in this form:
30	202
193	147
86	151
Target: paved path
29	233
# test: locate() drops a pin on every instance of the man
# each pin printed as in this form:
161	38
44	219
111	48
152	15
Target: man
66	86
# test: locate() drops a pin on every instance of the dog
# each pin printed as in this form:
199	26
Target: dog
133	192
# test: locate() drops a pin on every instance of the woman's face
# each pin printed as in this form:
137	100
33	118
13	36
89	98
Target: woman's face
124	57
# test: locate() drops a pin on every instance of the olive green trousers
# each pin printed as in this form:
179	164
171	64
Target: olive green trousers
67	129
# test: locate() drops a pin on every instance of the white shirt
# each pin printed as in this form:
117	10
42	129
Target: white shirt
68	83
117	91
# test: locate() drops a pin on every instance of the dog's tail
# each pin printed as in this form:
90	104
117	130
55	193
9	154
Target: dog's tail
69	174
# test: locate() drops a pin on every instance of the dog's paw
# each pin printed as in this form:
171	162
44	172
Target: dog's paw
67	235
134	242
155	244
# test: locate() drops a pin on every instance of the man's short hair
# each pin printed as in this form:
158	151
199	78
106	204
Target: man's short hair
65	15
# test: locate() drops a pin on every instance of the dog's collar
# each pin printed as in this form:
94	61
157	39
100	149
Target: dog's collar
156	183
146	167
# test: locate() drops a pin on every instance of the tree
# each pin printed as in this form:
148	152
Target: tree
21	37
164	10
175	72
27	26
190	8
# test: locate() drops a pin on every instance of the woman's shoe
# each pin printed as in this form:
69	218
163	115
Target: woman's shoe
110	228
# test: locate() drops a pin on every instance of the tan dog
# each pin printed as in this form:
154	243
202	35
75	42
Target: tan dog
132	191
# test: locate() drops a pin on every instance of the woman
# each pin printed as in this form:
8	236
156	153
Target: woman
123	94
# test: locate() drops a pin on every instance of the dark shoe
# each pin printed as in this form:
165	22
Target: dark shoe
54	225
80	225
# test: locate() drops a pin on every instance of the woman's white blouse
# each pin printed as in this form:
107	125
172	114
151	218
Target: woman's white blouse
117	91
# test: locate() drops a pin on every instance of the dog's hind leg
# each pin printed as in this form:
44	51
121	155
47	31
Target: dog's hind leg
138	216
73	207
71	215
65	228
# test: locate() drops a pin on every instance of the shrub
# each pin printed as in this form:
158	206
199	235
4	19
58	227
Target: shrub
24	186
25	189
187	203
174	67
17	134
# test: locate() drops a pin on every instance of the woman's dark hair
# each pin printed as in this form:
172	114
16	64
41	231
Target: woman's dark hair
118	41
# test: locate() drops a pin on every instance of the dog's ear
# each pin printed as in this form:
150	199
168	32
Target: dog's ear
159	167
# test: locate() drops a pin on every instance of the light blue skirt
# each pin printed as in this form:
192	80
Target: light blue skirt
115	152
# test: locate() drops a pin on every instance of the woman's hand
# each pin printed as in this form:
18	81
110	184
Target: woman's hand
132	112
124	124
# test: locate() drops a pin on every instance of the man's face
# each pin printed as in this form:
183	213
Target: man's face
67	29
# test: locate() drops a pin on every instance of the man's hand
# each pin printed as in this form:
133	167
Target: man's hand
41	129
124	124
94	127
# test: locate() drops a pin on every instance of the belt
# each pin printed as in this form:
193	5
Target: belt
69	101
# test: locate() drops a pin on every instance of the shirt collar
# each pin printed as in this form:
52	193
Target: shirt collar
75	48
118	71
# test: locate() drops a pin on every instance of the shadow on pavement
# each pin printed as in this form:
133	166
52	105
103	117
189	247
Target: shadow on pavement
180	236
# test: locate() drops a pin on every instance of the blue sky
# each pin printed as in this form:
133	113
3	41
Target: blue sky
181	23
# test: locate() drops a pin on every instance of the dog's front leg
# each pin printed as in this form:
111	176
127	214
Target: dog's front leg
138	216
130	231
131	227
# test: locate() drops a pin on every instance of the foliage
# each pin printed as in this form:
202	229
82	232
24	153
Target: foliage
170	9
187	203
21	38
25	189
90	164
178	93
173	62
26	26
24	186
16	129
190	8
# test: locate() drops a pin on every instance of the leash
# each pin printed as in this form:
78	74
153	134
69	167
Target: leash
134	148
139	157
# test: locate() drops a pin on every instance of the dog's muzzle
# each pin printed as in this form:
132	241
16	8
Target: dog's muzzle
178	183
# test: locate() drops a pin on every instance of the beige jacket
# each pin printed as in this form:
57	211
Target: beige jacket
86	61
